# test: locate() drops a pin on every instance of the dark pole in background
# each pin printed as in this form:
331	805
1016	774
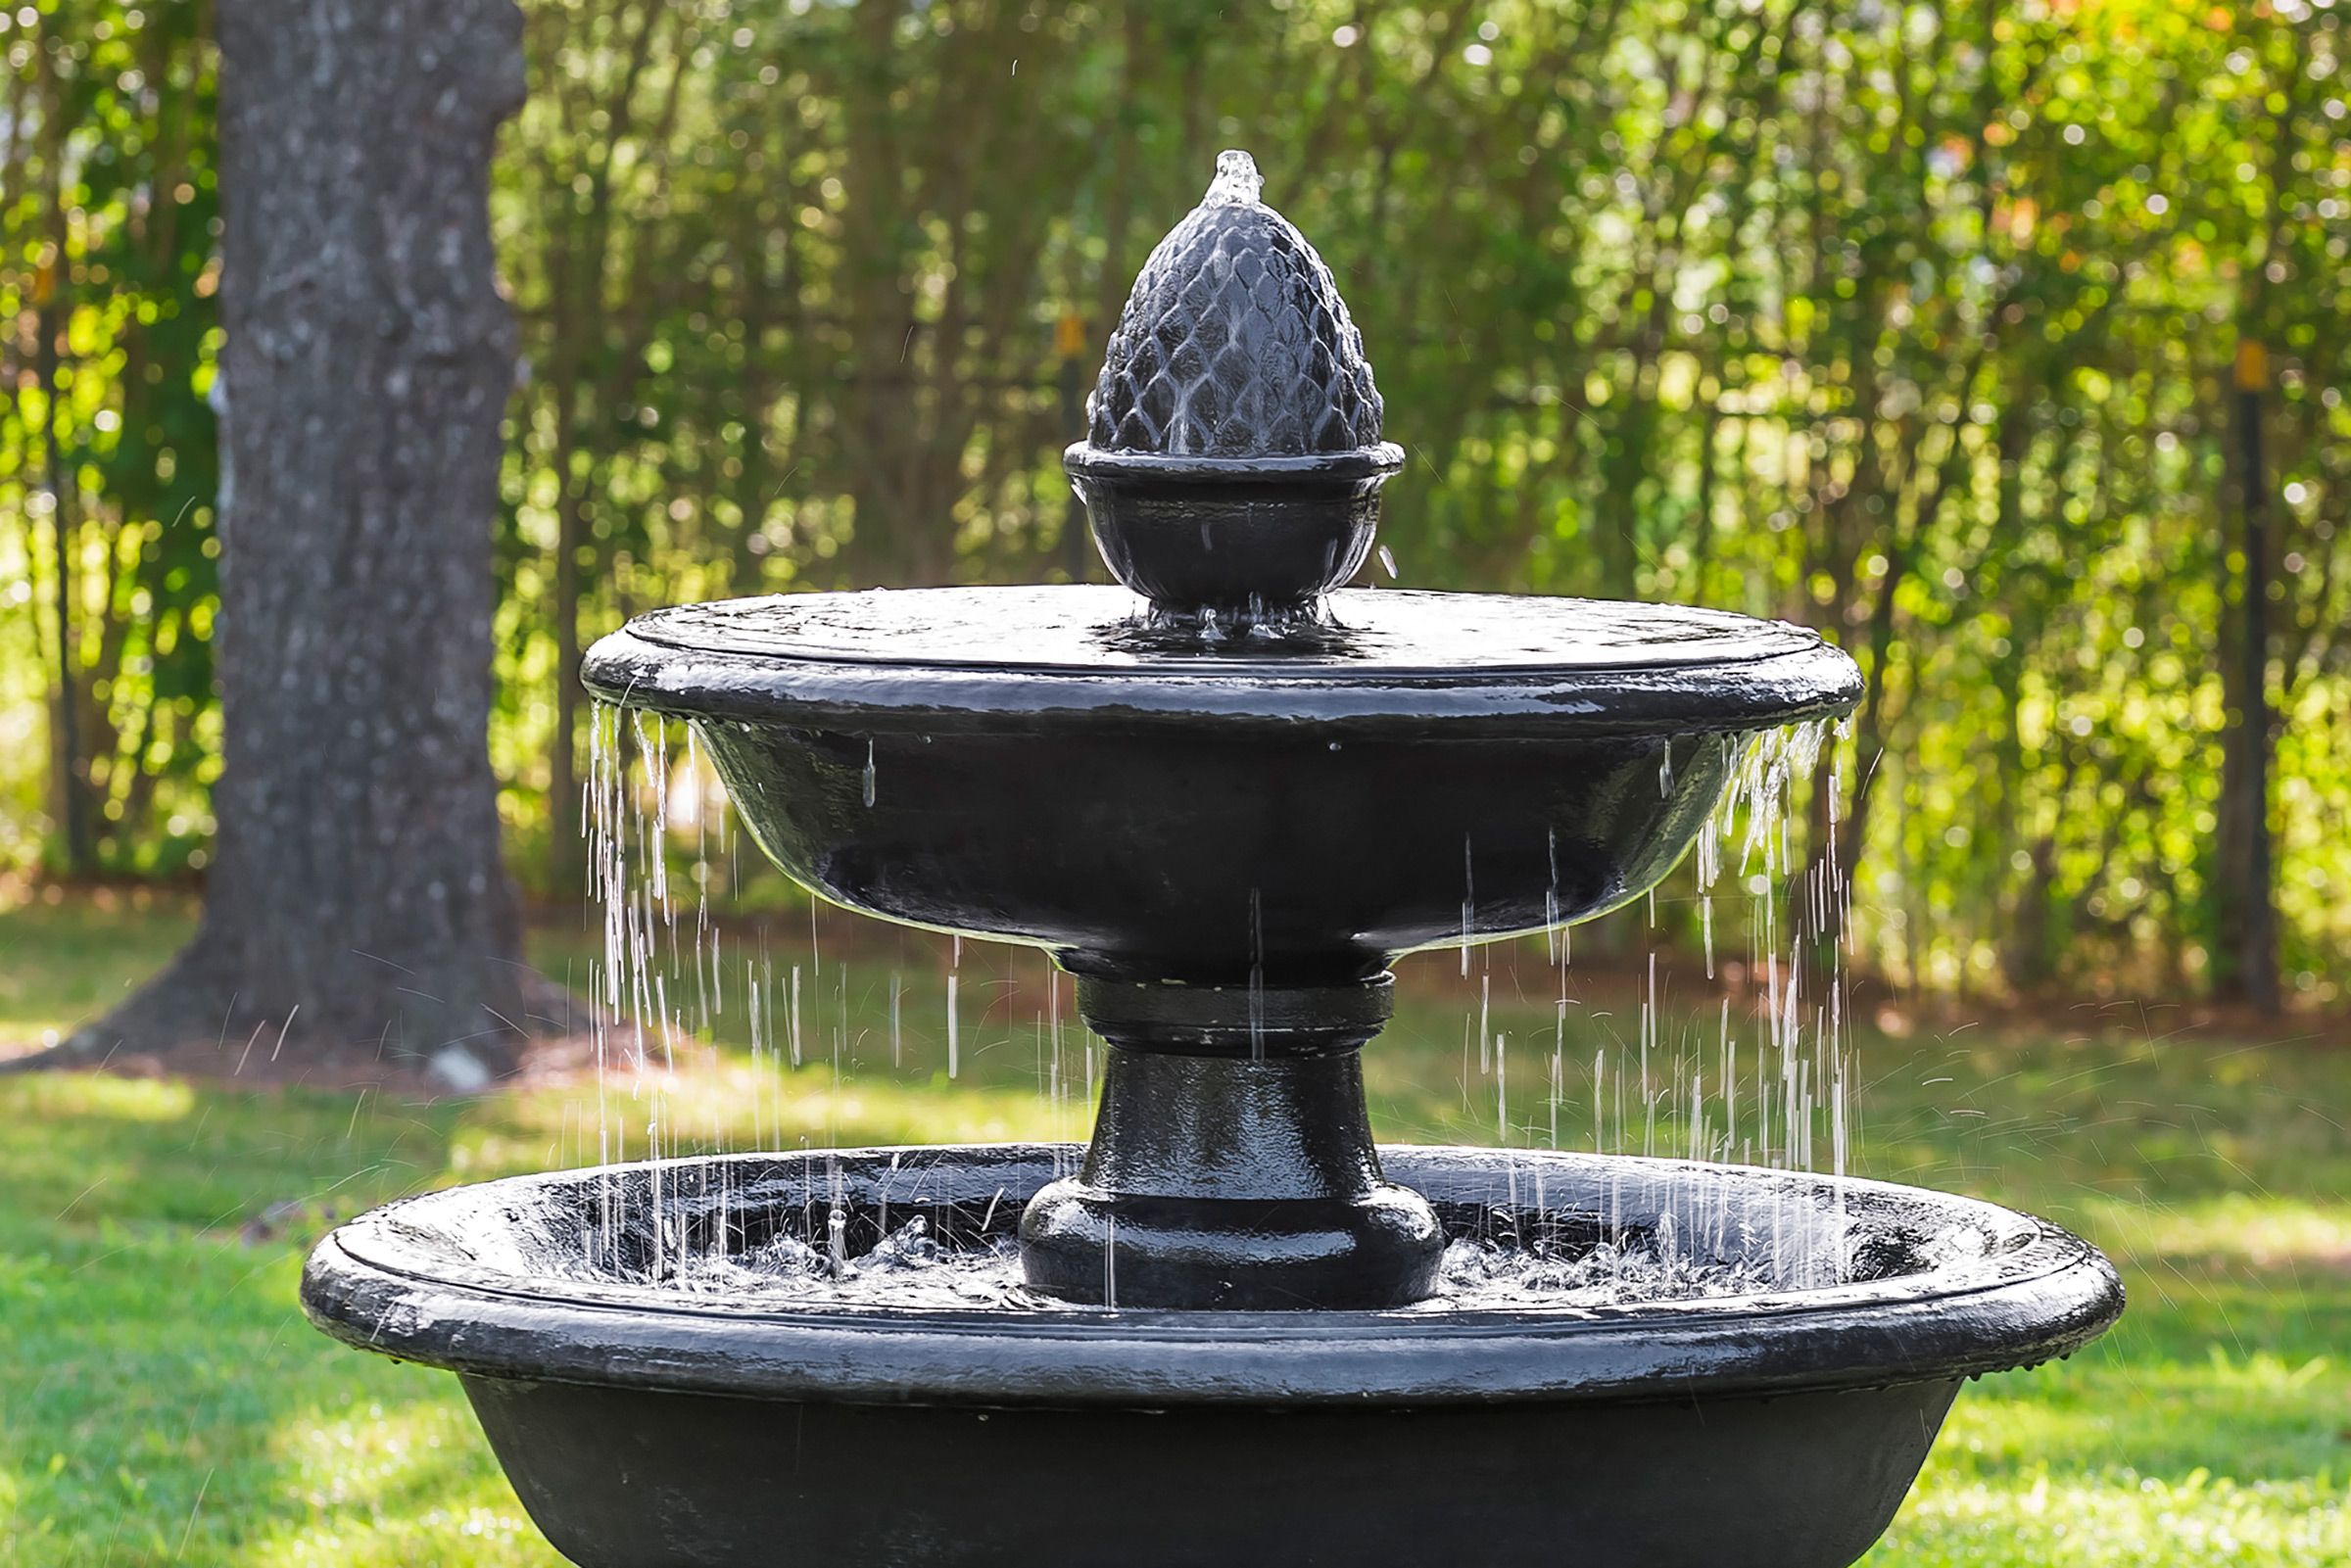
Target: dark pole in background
54	317
2258	958
1070	344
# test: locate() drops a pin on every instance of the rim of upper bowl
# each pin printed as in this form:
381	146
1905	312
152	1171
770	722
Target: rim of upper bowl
1067	654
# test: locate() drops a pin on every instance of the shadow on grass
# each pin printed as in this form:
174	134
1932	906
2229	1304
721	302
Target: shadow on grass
64	964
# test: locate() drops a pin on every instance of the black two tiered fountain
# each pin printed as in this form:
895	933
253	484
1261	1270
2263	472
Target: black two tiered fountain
1224	806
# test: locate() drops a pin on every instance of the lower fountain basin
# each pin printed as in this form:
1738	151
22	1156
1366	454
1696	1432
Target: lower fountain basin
643	1424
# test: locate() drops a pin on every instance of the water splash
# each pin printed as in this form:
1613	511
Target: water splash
1237	182
1539	1258
1764	1078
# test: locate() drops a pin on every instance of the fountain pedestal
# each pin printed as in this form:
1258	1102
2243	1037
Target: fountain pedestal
1231	1164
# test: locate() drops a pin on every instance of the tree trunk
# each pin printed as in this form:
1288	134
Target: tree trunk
357	905
2246	966
2245	956
55	310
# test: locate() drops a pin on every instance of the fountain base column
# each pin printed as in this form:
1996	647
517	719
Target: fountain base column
1232	1165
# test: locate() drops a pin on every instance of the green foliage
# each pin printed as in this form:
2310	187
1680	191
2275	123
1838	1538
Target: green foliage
1911	321
1908	319
106	276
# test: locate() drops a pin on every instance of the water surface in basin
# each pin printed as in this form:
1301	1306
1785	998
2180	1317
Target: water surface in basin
1080	628
912	1269
1632	1237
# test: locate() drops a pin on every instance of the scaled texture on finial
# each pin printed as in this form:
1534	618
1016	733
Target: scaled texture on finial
1234	342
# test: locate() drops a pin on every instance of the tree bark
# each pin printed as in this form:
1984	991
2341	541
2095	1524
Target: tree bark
56	310
356	904
2247	962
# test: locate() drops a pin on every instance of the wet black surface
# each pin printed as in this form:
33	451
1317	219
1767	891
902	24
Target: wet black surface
1050	661
646	1426
1939	1285
1234	342
1369	632
1232	462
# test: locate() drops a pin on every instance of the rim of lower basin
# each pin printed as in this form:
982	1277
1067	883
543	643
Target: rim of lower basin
2039	1294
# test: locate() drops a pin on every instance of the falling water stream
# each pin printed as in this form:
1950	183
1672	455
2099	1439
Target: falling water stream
1764	1081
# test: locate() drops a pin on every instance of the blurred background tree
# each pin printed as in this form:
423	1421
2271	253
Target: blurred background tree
107	277
1919	322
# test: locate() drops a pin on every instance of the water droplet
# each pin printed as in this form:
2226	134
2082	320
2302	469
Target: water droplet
954	1058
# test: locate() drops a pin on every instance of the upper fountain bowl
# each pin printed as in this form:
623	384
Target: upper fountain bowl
1233	458
1038	764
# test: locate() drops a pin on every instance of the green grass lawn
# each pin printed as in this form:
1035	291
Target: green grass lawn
162	1402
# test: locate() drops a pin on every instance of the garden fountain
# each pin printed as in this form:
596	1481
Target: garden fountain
1225	801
